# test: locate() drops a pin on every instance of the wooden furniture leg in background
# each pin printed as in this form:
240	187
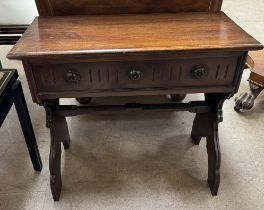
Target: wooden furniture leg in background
59	134
255	62
246	100
206	125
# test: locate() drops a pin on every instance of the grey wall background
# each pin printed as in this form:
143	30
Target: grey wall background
17	11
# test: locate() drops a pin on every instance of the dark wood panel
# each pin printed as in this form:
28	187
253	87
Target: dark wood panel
108	76
88	7
124	34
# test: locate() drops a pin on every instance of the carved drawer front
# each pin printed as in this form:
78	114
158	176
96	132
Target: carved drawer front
171	74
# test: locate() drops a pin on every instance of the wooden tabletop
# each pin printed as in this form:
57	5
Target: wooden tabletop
119	34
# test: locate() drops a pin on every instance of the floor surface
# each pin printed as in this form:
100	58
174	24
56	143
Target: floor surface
140	160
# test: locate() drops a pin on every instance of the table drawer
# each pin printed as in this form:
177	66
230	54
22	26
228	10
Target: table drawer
171	74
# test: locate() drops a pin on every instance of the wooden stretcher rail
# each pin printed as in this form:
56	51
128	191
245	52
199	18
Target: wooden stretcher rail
73	110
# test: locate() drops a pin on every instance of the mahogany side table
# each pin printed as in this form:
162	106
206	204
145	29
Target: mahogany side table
11	93
134	54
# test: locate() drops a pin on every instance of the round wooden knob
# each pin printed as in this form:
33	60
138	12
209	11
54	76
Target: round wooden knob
199	72
135	75
72	76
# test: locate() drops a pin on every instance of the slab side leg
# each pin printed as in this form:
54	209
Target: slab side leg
64	131
214	159
55	157
206	125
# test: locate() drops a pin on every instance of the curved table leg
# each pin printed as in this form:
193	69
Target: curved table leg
206	125
246	100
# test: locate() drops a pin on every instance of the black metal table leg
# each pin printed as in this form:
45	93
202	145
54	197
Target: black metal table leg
26	125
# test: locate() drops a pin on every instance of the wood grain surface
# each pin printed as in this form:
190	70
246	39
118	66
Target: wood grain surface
120	34
88	7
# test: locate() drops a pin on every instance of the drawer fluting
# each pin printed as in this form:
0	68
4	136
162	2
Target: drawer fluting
171	74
